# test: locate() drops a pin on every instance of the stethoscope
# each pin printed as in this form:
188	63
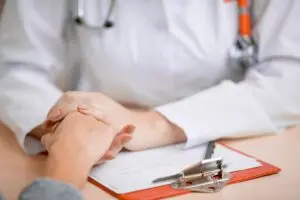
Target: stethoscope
243	52
79	17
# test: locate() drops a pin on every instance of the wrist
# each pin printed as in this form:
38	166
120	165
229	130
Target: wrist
64	170
154	130
151	121
163	125
158	122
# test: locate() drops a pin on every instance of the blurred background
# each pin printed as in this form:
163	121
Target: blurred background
1	5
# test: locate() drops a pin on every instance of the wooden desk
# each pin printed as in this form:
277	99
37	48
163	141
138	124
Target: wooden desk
17	169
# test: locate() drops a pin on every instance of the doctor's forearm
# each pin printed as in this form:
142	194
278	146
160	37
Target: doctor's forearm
154	130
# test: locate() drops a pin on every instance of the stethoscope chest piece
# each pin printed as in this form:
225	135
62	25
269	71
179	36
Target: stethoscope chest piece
243	52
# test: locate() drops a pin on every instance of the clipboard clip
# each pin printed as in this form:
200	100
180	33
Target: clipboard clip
206	176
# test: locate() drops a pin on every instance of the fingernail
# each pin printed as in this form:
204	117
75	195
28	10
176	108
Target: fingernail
129	129
110	157
55	114
99	162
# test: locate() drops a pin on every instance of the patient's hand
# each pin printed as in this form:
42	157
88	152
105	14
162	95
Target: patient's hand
121	137
78	132
77	144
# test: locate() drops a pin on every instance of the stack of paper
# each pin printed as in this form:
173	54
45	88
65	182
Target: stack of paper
132	171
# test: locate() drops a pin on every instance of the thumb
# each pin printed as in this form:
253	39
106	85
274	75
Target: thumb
127	129
115	147
55	115
123	137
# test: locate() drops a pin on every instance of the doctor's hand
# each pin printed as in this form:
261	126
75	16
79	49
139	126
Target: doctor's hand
112	112
76	145
152	129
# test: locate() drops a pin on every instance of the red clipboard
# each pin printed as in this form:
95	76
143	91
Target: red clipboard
167	191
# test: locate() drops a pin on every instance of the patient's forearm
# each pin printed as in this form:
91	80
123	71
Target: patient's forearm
68	159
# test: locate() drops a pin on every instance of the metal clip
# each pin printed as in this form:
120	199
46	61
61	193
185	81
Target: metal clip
206	176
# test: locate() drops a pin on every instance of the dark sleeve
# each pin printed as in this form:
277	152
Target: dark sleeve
1	197
47	189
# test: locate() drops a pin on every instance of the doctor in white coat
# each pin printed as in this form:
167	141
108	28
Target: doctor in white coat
168	57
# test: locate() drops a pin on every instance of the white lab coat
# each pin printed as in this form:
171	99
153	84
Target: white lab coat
170	55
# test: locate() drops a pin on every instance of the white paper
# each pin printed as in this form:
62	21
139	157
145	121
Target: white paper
132	171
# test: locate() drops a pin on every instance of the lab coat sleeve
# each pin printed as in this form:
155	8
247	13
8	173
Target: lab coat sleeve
267	101
31	53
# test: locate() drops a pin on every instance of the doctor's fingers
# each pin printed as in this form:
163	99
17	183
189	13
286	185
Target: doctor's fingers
95	112
115	148
66	104
118	143
123	137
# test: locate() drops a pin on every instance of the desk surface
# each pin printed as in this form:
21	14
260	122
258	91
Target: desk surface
17	169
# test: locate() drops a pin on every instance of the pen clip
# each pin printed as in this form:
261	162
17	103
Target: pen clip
205	176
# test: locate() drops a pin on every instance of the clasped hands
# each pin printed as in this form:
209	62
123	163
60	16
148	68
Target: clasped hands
101	126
